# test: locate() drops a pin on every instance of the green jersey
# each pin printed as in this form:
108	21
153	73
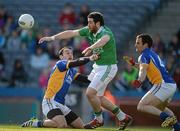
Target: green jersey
108	51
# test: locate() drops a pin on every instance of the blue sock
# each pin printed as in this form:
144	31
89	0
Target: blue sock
176	126
163	116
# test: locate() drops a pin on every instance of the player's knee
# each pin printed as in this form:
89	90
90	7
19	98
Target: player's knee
54	125
80	126
62	125
90	93
101	97
140	107
60	121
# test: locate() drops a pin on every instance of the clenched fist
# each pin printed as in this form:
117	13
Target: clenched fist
47	39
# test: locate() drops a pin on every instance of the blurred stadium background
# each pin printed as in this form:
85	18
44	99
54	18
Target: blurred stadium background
25	66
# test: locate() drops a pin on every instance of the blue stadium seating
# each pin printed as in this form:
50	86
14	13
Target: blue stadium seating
123	17
116	13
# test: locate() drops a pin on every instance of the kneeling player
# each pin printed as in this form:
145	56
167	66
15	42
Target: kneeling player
53	105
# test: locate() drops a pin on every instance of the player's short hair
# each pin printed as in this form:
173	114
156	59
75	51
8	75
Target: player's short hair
97	17
146	39
62	50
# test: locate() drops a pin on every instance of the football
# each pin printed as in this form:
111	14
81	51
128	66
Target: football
26	21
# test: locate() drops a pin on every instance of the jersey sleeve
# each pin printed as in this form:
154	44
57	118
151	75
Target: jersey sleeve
61	65
144	59
107	33
84	31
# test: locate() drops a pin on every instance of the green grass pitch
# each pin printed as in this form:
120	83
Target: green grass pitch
18	128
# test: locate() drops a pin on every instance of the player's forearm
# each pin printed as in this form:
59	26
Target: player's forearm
78	62
65	35
142	74
101	42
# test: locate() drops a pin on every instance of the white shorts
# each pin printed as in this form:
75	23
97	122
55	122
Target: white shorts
49	104
163	91
100	77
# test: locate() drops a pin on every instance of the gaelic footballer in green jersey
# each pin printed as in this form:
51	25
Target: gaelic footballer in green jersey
108	51
102	42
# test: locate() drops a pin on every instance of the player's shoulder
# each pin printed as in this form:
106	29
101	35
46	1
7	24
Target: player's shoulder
106	31
62	65
146	52
85	28
61	61
84	31
145	56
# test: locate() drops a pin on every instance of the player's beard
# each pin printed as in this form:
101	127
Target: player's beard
94	30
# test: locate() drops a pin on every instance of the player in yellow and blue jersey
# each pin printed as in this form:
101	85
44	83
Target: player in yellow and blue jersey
53	105
155	101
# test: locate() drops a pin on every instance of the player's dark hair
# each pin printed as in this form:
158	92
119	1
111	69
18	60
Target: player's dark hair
146	39
62	50
97	17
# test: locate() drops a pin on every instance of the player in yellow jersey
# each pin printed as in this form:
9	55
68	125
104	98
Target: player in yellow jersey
53	106
155	101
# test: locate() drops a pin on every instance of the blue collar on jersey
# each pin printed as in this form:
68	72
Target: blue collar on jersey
146	49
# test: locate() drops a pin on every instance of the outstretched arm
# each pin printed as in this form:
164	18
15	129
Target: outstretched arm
78	62
81	61
62	35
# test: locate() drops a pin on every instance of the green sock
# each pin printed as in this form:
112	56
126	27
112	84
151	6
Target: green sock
98	113
98	116
119	113
116	110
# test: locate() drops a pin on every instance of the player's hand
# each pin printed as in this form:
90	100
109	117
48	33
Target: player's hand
94	57
47	39
129	60
87	51
136	83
